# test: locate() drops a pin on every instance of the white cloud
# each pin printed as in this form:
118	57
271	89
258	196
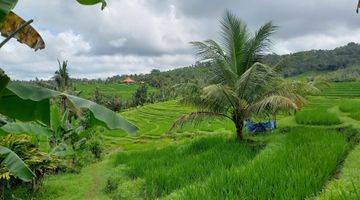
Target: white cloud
134	36
317	41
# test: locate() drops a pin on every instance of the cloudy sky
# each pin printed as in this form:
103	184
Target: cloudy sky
135	36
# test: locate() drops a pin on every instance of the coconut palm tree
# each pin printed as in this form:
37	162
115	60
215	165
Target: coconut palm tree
243	87
62	78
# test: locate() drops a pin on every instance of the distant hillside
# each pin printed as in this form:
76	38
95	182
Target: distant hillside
199	73
295	64
317	60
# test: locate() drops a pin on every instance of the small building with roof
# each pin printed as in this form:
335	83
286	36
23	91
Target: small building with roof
128	80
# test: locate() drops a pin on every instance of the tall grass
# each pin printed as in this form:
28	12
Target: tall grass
294	167
175	167
348	184
317	116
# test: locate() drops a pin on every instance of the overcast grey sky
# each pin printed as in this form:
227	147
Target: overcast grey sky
135	36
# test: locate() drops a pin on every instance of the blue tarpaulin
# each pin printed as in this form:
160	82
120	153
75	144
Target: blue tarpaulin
260	127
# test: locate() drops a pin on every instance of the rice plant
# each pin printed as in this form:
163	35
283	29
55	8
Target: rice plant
317	116
295	167
355	115
350	105
348	184
175	167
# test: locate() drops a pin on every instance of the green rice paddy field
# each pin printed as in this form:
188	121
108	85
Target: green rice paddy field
312	155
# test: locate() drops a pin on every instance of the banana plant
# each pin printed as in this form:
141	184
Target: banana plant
15	164
12	25
30	103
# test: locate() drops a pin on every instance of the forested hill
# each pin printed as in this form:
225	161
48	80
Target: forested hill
292	64
317	60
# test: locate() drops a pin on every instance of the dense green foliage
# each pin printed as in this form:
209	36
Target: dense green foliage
27	150
317	60
242	87
342	75
123	91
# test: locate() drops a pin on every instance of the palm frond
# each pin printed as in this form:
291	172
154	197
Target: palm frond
218	98
258	45
271	105
234	34
256	81
320	84
223	74
190	93
208	50
195	118
303	87
291	90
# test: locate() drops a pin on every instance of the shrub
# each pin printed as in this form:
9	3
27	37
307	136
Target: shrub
320	116
140	96
39	162
95	148
111	185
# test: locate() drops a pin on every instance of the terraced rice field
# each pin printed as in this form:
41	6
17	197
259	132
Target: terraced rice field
155	120
296	162
346	89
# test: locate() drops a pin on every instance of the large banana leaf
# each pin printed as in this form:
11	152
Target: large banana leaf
93	2
29	103
10	22
26	128
28	35
15	165
4	80
5	7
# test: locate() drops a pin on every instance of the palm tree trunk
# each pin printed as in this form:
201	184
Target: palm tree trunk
239	124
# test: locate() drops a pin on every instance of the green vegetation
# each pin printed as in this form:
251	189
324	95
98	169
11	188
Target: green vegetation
347	186
123	91
295	166
57	145
318	116
355	115
317	60
176	167
242	87
345	89
350	106
304	158
20	159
